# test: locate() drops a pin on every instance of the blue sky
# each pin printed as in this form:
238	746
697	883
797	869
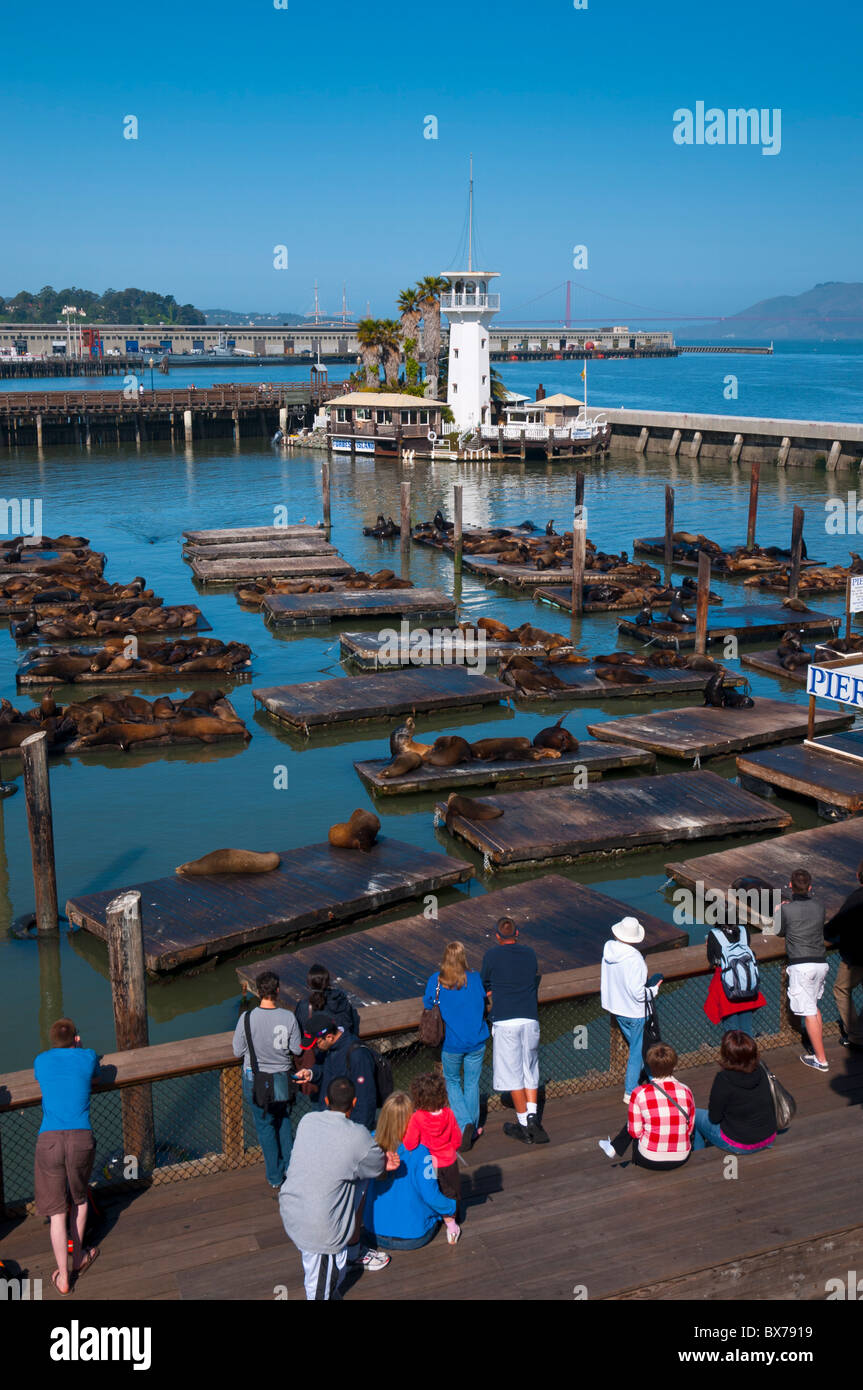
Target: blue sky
304	127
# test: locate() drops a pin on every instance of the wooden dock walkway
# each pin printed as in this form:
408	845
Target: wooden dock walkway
769	663
565	922
655	546
296	566
808	770
613	817
594	757
309	610
239	534
831	853
370	651
706	732
315	889
748	623
347	699
289	546
562	599
574	1218
582	683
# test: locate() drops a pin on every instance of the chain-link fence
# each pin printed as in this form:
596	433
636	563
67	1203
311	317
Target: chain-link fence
186	1126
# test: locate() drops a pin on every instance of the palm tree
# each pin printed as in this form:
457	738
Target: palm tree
390	342
411	310
369	336
430	289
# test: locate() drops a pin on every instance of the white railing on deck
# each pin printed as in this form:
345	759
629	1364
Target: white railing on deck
490	302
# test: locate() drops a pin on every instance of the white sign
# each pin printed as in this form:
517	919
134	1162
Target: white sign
364	446
343	445
856	593
841	683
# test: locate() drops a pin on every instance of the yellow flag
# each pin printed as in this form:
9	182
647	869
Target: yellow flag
583	374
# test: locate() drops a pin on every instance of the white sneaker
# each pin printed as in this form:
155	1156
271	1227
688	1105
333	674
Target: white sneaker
810	1060
607	1148
375	1259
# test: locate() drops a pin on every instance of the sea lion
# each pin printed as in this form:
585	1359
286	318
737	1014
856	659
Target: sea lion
556	737
403	763
469	809
622	675
207	728
538	637
644	618
124	734
232	861
449	751
509	750
676	611
749	882
63	667
713	690
735	699
48	705
495	631
699	663
163	708
360	832
402	739
796	604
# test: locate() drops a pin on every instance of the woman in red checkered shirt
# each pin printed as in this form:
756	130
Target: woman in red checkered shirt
661	1116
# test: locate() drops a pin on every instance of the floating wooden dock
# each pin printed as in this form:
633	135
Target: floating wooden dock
582	683
173	676
806	769
655	545
748	624
519	576
770	664
596	758
831	853
705	732
562	599
347	699
229	571
314	889
614	817
310	610
565	922
844	745
290	546
120	627
372	652
233	534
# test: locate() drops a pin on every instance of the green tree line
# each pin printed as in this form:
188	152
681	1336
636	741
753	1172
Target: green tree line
114	306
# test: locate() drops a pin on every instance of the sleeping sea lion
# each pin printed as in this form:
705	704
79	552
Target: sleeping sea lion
510	750
622	675
232	861
495	631
469	809
404	762
360	832
556	737
208	728
449	751
796	604
63	667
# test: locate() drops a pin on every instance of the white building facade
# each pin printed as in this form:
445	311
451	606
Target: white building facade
470	309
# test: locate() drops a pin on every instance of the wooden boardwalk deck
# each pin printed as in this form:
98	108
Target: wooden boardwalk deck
752	623
705	732
770	664
233	534
831	853
347	699
565	922
612	817
233	550
582	683
300	566
808	770
562	599
370	651
596	758
844	745
308	610
314	889
575	1219
655	545
519	576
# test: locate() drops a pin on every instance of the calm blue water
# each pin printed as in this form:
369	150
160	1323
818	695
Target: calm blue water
802	381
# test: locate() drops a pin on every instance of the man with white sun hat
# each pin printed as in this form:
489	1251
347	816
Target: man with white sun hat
625	991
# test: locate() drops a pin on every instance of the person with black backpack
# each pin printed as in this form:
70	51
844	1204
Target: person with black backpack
734	994
342	1054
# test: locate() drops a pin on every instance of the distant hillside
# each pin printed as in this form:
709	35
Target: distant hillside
114	306
831	310
234	316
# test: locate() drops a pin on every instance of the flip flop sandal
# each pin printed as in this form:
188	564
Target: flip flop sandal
90	1258
71	1289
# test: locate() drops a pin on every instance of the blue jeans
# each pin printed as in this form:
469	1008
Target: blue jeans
706	1134
273	1127
745	1021
633	1030
401	1242
463	1100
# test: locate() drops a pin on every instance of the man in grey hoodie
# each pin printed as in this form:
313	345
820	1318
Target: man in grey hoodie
330	1158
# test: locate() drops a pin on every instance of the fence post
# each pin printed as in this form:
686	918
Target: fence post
702	607
231	1115
129	999
405	534
37	790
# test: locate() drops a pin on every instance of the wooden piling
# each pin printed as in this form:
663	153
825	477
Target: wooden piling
129	999
796	551
325	488
405	524
457	535
703	603
669	531
753	505
847	608
37	791
579	493
579	537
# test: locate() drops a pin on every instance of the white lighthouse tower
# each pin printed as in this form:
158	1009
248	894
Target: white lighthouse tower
470	309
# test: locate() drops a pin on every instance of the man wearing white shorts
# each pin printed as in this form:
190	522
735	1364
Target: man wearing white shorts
801	922
510	977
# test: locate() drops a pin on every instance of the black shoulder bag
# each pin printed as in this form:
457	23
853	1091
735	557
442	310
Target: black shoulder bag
263	1089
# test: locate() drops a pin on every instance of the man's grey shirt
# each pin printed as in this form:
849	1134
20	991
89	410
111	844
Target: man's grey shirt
275	1034
330	1157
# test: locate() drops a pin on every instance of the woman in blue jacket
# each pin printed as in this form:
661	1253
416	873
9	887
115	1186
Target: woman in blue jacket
460	997
404	1206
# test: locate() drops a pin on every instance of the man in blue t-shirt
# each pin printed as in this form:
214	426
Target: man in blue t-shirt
510	977
65	1147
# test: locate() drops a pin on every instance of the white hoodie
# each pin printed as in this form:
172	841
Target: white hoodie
624	980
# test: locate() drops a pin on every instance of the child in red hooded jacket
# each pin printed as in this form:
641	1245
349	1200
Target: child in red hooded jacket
434	1124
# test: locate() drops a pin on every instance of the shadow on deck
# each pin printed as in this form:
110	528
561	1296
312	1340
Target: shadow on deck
555	1222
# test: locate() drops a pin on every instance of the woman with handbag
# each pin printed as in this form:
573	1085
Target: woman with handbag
455	1002
661	1117
741	1115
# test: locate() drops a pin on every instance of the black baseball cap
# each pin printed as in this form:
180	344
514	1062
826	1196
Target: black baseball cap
318	1026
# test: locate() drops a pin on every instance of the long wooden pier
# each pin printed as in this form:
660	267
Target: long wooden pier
562	824
311	610
595	758
371	651
707	732
565	922
189	919
752	623
347	699
302	565
562	599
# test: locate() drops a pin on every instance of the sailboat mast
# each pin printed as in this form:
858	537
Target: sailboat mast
470	220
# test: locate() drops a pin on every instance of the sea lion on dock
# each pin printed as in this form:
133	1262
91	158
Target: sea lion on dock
207	728
796	604
402	739
64	667
403	763
449	751
622	675
360	832
676	611
693	662
126	733
232	861
556	737
469	809
495	631
735	699
510	750
536	636
713	690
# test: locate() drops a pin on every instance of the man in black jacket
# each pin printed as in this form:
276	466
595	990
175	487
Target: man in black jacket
342	1055
845	930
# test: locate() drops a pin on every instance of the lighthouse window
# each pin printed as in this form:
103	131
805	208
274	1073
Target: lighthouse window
455	352
483	381
483	342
